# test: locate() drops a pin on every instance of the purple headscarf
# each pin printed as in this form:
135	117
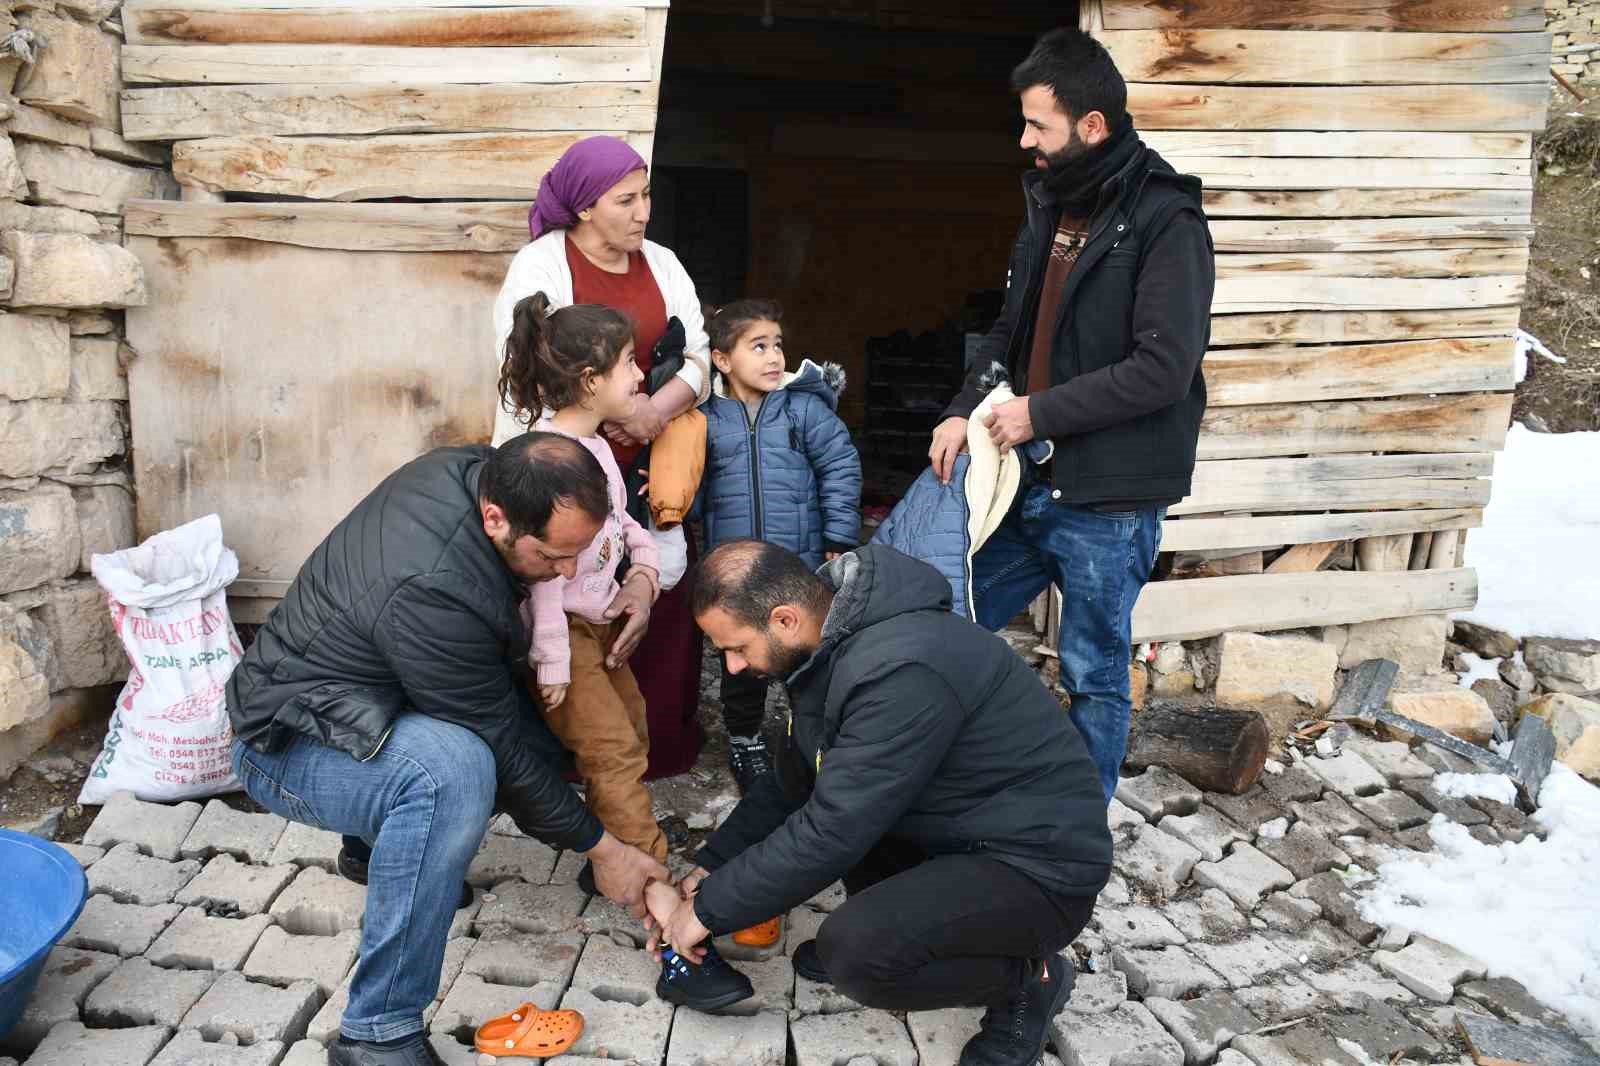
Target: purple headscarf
580	177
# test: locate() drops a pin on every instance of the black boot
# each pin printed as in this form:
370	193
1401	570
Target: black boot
749	760
353	858
411	1052
1014	1033
710	986
808	964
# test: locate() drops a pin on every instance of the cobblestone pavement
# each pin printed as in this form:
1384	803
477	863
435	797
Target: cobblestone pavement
1228	934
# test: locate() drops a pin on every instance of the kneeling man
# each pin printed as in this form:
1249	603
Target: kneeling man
930	769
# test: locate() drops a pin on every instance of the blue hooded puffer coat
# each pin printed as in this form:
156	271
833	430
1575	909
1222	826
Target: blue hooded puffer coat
793	477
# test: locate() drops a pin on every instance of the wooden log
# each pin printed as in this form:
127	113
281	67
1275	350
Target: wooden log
1304	558
1218	750
1327	57
499	166
1267	172
1384	554
1359	144
1291	292
1478	16
1350	371
1328	327
279	64
1474	422
1338	482
1442	549
437	227
161	22
195	111
1259	603
1189	565
1366	203
1233	532
1479	108
1420	544
1510	257
1358	234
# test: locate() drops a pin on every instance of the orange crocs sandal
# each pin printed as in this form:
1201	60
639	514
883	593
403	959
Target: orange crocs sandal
761	935
529	1032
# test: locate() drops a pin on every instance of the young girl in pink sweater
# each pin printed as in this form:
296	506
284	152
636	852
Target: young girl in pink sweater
567	372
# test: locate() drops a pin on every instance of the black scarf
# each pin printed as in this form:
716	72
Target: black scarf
1075	185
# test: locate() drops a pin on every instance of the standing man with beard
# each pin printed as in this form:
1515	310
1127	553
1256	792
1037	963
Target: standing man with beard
1106	317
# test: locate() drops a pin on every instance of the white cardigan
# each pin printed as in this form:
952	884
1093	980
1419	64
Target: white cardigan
541	266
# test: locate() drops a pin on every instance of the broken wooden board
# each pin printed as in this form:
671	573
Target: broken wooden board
491	166
1305	292
1497	1043
1330	327
1533	749
436	227
1304	558
1338	483
1249	531
162	22
1365	691
1405	726
1478	16
1464	108
1259	603
1187	566
279	64
1367	203
1471	422
1353	371
1363	234
194	111
1327	57
1412	144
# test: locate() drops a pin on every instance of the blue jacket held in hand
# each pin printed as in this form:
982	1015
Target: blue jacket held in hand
790	476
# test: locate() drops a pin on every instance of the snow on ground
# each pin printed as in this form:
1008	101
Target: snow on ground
1536	553
1497	787
1478	668
1524	910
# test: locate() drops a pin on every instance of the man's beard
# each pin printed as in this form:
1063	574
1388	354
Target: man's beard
1075	149
784	659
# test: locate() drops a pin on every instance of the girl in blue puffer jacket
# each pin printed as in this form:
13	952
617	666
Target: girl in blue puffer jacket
780	467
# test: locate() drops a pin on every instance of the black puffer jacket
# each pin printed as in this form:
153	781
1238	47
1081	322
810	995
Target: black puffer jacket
913	723
407	606
1126	392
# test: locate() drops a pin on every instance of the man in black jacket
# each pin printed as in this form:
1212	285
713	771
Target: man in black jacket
929	768
1106	317
385	699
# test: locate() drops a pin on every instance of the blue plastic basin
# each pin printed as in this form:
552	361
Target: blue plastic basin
42	889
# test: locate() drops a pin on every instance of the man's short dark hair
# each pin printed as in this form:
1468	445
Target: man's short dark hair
749	579
1079	71
529	476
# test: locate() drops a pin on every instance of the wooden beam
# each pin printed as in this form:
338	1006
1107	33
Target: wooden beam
1509	257
1178	144
1306	292
1475	422
1352	371
505	166
1304	558
1199	534
1328	57
1327	327
1384	554
437	227
1359	234
1339	483
1478	16
1442	550
1370	203
1271	172
281	64
161	22
1478	108
191	112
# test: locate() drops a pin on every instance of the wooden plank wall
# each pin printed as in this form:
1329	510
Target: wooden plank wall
1368	176
275	383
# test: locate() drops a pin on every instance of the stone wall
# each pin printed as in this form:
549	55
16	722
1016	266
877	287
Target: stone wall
1574	27
65	491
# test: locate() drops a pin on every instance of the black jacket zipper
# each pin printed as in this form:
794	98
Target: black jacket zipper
757	524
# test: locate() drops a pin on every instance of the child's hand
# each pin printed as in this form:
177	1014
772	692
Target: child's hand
660	900
552	695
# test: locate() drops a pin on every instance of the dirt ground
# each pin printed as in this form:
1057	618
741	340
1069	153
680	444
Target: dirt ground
1562	307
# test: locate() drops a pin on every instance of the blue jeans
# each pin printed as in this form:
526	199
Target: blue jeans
1099	560
423	803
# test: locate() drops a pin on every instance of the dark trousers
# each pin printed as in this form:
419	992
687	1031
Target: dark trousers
744	702
949	931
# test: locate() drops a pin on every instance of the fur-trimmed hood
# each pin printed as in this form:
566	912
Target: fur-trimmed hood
825	379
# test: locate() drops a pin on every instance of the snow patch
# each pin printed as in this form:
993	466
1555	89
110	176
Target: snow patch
1479	669
1541	525
1525	910
1497	787
1275	829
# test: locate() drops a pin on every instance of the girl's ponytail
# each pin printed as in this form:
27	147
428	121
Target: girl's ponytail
526	357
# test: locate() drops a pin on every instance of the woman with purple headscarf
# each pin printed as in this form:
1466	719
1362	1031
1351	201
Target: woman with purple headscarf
588	247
